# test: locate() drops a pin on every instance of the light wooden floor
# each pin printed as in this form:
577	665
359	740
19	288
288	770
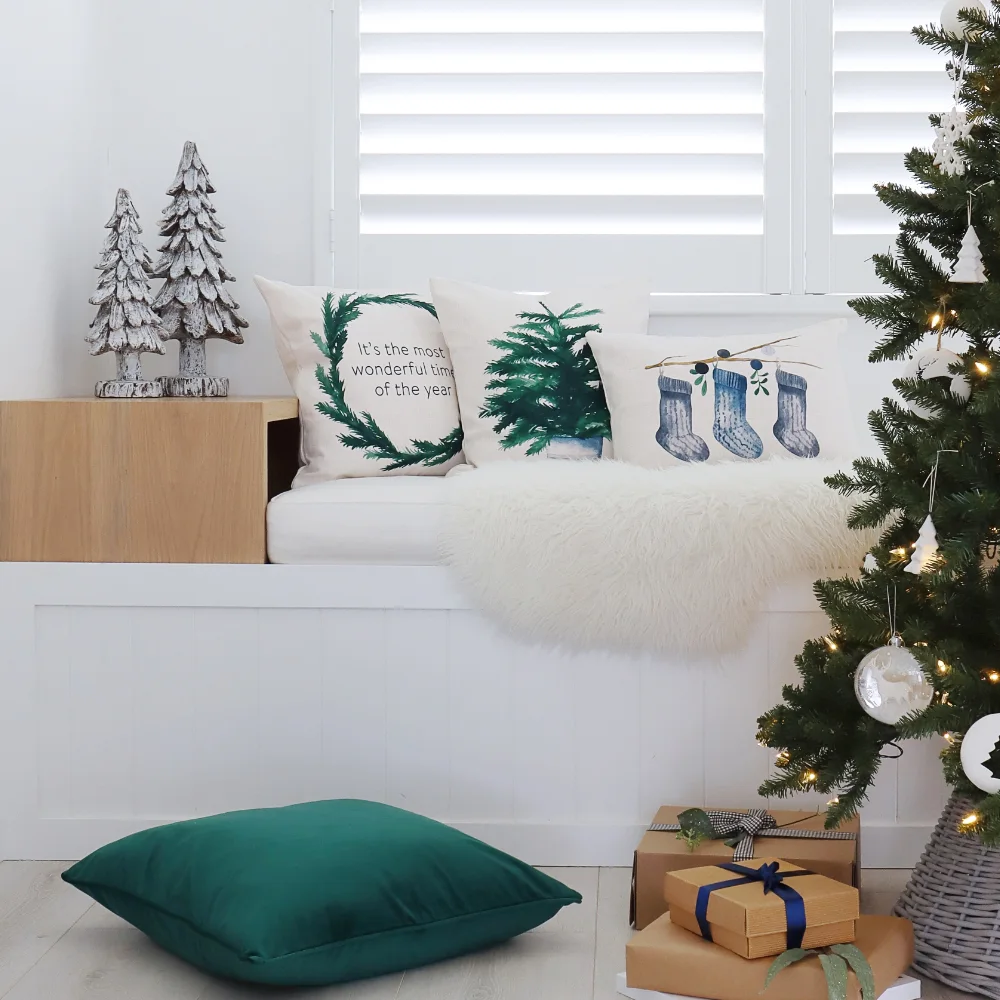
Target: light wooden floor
57	945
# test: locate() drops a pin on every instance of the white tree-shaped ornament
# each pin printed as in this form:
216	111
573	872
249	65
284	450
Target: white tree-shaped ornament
193	302
925	552
969	268
126	322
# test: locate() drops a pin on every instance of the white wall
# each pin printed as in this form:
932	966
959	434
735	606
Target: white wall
51	128
99	94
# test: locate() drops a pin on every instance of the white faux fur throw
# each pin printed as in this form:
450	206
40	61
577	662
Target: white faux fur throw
607	555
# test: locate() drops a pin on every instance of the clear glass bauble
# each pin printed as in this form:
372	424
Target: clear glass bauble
890	683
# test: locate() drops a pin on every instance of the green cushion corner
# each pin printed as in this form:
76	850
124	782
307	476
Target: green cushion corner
317	893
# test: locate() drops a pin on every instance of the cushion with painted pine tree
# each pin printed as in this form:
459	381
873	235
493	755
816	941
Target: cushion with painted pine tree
527	382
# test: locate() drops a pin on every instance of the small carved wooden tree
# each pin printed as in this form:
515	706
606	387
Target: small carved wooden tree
126	322
193	302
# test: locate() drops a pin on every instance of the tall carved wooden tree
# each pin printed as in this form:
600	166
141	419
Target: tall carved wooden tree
193	302
125	322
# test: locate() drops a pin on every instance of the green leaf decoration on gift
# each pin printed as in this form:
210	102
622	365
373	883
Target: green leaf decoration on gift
785	959
860	965
834	969
363	433
696	827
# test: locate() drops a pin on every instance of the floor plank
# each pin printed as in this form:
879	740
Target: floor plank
102	956
36	909
613	930
555	961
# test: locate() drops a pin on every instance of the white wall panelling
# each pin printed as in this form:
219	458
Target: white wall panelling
244	686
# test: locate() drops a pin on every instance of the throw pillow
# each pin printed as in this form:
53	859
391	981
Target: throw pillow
374	382
726	398
318	893
527	381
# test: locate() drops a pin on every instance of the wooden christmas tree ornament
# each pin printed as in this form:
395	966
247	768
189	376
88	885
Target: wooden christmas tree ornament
193	303
126	322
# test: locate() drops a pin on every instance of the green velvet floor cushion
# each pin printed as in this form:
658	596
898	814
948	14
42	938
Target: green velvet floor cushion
323	892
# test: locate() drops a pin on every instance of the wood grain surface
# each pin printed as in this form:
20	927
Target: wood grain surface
171	480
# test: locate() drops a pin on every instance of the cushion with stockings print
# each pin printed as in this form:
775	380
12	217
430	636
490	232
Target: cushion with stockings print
726	398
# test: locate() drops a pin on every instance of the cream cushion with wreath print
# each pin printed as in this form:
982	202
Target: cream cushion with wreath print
374	381
727	398
527	381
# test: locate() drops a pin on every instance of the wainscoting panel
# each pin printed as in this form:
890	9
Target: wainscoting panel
134	695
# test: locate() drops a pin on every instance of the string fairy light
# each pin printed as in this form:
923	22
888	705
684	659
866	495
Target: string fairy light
809	777
982	368
971	820
830	644
942	667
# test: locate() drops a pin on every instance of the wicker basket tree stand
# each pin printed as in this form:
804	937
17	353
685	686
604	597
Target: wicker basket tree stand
953	900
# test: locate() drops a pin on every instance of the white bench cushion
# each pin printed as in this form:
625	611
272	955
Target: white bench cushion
390	521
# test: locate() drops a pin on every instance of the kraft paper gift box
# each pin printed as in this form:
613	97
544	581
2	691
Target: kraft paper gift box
802	843
762	907
667	958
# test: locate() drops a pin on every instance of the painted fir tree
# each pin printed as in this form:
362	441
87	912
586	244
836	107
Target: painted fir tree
948	613
194	303
546	392
125	322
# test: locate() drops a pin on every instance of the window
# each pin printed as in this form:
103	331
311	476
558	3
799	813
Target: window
717	145
884	87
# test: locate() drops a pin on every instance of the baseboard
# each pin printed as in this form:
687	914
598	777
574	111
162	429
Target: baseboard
883	845
555	845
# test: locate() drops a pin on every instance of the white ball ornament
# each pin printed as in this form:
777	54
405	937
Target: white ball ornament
934	364
889	683
950	20
981	754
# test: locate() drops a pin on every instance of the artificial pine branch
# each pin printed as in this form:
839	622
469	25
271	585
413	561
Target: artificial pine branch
363	433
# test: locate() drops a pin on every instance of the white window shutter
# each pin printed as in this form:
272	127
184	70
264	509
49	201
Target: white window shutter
885	84
527	141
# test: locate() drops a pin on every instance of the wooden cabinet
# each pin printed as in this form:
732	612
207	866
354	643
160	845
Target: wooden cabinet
142	480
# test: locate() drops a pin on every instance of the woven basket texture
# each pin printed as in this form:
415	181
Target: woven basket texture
953	900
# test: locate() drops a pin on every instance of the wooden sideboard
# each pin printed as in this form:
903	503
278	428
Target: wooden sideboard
142	480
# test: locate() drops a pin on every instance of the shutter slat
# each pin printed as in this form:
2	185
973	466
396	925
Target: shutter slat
716	215
531	16
723	52
623	134
562	175
620	94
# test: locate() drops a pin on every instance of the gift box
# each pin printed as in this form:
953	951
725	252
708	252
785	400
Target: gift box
763	907
797	836
667	958
904	988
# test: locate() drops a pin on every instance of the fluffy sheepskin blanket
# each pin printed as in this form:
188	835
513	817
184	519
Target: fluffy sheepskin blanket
607	555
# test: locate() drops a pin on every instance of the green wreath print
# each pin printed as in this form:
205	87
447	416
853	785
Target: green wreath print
363	434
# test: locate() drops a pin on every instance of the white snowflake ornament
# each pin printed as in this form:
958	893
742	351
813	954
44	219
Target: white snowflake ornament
925	552
954	128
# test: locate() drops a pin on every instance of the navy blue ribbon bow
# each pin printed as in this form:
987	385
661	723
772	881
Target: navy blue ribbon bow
795	907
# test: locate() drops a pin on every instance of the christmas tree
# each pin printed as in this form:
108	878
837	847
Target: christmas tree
545	383
948	614
125	322
193	302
